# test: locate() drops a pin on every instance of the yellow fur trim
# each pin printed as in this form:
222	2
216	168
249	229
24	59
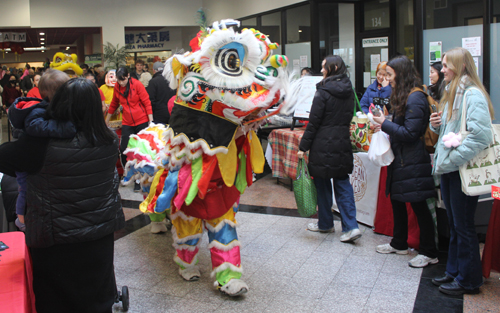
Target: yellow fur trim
144	204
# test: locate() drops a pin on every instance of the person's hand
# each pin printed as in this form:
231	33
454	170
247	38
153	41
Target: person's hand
300	154
379	119
21	218
385	82
376	128
435	119
18	88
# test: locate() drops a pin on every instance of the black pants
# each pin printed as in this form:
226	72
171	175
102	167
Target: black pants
425	223
76	277
126	132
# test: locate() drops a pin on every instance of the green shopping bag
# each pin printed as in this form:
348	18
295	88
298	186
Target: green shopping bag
304	191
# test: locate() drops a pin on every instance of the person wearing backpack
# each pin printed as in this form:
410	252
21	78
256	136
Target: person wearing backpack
409	176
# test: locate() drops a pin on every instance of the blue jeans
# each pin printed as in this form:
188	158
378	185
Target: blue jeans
344	196
464	263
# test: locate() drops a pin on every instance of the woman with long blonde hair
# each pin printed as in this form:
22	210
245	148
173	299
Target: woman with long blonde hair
463	87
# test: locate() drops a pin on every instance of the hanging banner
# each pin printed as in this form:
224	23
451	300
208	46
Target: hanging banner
364	180
12	37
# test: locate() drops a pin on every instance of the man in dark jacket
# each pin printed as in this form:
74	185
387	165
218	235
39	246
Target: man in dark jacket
159	94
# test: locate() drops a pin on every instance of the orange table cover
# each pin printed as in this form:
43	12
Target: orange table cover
491	252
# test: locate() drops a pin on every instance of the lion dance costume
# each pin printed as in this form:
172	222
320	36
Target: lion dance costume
200	164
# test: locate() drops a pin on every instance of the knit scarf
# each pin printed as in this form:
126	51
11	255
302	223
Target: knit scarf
462	85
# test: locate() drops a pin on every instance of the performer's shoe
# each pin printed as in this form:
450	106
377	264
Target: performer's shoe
190	273
158	227
234	287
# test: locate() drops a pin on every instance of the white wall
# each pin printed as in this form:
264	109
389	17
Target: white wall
15	13
112	15
222	9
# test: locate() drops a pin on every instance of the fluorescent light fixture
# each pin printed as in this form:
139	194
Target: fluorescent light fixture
42	39
41	34
30	49
43	43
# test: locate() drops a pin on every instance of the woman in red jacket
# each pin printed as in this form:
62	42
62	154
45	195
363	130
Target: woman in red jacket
137	111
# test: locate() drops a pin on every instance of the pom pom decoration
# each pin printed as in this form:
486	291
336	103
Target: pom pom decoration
452	140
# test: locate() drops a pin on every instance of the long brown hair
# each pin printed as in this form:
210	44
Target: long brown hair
460	62
334	65
406	79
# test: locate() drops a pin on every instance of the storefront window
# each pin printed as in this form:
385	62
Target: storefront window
404	28
450	24
376	14
271	26
249	23
298	41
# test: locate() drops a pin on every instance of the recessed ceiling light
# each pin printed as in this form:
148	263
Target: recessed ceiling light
300	30
43	50
67	48
43	43
42	39
41	34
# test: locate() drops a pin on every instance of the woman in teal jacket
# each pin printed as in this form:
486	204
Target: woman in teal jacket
463	269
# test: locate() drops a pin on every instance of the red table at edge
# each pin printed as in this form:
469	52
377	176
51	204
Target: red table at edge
16	280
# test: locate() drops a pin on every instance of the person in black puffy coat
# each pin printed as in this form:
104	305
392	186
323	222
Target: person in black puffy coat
409	177
72	204
330	154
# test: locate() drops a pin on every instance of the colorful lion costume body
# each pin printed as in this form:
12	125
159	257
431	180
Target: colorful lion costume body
210	148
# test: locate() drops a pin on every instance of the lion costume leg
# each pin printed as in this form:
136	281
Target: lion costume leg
225	251
187	232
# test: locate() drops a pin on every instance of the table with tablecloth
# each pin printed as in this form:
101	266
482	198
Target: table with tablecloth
491	252
16	279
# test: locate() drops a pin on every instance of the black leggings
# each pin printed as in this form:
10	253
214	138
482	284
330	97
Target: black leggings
126	132
425	223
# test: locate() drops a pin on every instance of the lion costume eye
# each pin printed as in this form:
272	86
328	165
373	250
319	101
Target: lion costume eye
230	58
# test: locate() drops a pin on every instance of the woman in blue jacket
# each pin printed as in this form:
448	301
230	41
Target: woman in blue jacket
463	269
379	88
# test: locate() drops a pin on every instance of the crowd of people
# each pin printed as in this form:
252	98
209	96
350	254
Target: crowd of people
410	176
69	223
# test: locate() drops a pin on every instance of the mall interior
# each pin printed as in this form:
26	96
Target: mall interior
287	268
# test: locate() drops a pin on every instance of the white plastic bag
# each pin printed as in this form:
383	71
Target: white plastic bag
380	152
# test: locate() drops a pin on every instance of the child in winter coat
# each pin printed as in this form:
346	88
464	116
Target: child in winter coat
28	114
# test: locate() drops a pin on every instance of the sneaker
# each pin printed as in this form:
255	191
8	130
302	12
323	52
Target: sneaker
315	227
351	235
422	261
137	187
21	226
158	227
387	248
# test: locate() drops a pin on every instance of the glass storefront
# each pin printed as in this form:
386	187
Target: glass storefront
495	58
298	38
271	26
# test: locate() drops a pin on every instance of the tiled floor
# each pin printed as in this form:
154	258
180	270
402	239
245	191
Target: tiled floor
287	268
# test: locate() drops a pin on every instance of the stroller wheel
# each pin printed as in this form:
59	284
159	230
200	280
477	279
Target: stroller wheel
125	298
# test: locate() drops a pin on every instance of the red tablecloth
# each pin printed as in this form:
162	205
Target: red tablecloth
384	220
491	252
16	279
285	145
